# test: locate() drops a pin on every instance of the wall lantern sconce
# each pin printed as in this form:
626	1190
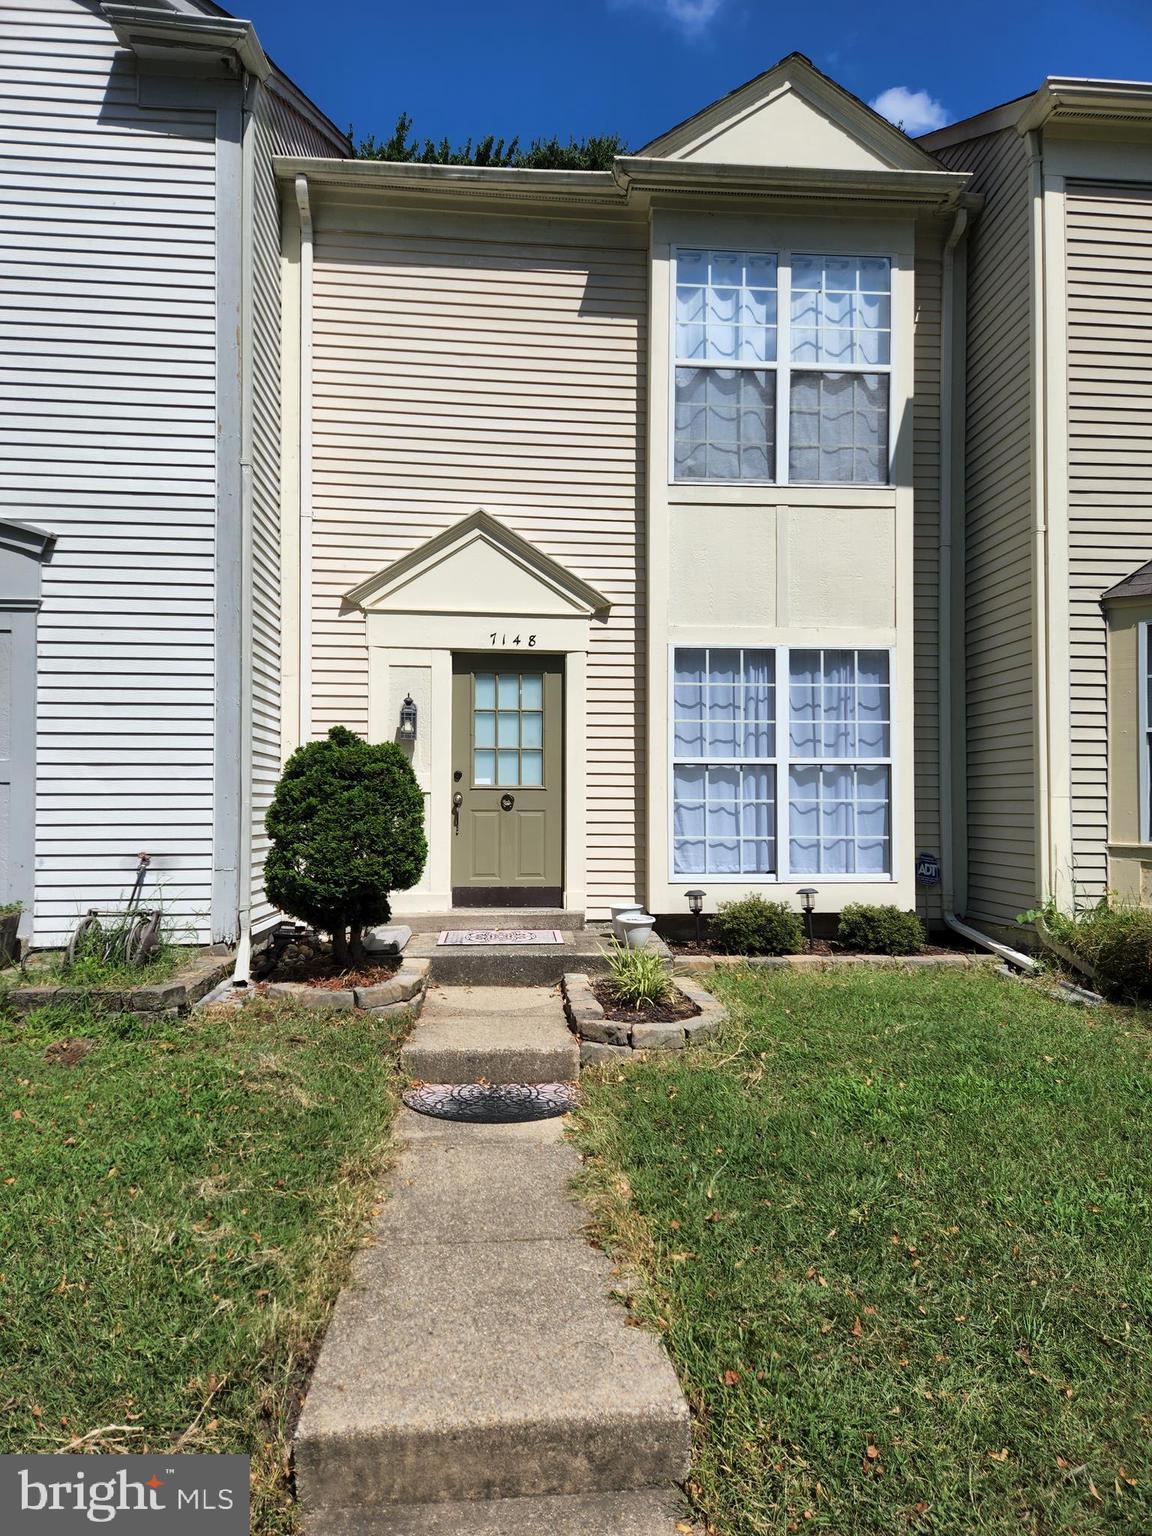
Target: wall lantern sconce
696	906
407	731
808	895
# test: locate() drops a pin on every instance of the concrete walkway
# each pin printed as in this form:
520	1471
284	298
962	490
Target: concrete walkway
477	1376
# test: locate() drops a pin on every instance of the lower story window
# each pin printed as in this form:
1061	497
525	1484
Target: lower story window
771	781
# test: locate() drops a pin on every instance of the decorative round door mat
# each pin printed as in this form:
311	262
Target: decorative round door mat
493	1103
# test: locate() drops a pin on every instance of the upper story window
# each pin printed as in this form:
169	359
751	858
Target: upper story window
782	367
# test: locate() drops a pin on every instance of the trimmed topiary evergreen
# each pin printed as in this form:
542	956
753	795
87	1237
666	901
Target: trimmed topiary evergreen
347	829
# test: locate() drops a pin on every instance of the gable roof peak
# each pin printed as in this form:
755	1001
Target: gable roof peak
713	131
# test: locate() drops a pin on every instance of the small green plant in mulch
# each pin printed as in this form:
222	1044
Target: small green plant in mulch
8	908
179	1203
754	926
640	976
894	1232
1114	939
880	930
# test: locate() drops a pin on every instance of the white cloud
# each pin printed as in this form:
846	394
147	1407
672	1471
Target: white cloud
914	111
691	16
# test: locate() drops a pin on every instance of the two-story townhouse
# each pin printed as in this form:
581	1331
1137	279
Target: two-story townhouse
630	481
140	456
1053	502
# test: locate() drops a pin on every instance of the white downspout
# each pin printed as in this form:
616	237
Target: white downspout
304	205
952	360
242	969
1041	586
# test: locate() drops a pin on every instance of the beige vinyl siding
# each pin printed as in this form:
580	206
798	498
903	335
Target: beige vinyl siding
926	559
1109	253
999	603
279	130
107	388
494	371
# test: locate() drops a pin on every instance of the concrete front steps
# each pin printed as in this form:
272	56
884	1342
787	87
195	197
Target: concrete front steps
510	965
492	1035
493	917
478	1378
643	1513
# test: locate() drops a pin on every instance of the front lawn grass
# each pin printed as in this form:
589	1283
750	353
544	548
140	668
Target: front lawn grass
177	1210
896	1231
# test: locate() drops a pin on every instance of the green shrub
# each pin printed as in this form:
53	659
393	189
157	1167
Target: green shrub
880	930
753	926
1115	939
347	829
639	975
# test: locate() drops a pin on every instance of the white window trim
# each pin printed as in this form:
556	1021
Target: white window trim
1144	655
782	763
782	368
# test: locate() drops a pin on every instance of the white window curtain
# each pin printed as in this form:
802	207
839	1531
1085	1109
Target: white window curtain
724	771
826	355
832	754
726	324
839	807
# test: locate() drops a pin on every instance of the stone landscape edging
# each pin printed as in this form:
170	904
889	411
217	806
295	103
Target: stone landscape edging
605	1039
401	993
165	999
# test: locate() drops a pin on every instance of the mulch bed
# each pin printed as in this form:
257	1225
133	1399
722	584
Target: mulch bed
817	947
310	961
651	1013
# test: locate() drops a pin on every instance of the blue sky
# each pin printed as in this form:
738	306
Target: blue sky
634	67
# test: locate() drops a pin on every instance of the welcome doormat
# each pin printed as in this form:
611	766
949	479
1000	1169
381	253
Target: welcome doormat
474	938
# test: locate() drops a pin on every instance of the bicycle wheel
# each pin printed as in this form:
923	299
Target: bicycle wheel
86	928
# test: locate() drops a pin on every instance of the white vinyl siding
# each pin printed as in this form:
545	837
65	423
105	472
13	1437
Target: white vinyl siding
999	602
500	370
107	245
1109	275
280	130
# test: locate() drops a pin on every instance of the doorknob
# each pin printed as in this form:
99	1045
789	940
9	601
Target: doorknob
457	802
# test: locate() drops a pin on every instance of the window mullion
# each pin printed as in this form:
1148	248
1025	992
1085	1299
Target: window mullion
783	362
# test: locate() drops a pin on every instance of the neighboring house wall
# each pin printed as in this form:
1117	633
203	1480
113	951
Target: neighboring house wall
280	129
999	605
1109	288
466	361
108	237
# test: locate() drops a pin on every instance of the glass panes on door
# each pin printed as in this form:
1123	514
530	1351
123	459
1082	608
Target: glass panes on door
508	730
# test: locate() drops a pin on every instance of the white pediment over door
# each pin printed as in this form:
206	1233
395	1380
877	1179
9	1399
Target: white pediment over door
478	566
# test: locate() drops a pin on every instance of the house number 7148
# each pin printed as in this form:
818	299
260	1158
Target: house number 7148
497	639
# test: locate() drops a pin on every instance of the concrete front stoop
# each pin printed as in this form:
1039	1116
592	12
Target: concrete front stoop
477	1376
493	1035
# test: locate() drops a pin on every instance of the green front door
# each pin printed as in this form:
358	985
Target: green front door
507	781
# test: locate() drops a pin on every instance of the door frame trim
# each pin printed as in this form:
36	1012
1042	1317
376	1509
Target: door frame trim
515	661
412	653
